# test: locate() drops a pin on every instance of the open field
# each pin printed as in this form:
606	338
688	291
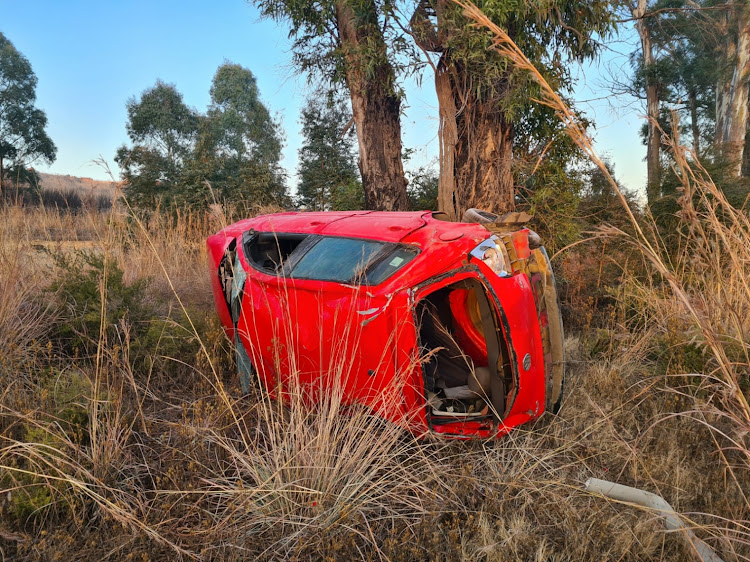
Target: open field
123	434
84	187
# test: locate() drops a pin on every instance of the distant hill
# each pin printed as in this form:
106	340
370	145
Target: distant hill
83	187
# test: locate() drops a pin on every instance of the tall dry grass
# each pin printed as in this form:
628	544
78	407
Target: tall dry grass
251	474
21	315
117	457
702	287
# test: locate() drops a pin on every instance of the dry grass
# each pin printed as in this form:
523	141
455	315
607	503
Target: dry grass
701	294
143	448
111	456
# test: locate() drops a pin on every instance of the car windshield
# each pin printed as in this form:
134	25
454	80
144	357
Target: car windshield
337	259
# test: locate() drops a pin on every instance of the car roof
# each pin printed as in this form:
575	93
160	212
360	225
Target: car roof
388	226
443	244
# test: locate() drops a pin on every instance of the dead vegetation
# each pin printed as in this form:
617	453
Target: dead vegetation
123	434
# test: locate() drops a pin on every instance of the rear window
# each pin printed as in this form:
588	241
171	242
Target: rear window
388	265
337	259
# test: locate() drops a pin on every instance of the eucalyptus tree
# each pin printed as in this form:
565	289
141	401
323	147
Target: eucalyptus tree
23	138
327	172
483	98
239	146
733	88
694	59
163	131
231	153
640	11
352	43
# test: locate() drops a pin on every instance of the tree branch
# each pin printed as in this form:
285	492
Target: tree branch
694	8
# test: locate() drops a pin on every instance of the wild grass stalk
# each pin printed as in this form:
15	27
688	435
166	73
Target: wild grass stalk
707	278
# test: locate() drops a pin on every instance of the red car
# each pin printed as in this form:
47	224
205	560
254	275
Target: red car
444	327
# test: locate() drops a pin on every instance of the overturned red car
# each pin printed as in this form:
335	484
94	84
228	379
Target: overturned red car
441	327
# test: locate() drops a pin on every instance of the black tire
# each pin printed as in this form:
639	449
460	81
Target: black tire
477	215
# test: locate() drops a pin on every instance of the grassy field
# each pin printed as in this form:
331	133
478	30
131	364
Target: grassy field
123	435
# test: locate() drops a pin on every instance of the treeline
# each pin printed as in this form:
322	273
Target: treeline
499	149
692	70
179	155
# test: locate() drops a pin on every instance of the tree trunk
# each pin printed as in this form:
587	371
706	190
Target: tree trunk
653	167
476	141
723	85
746	156
376	107
2	175
732	95
694	123
448	200
483	154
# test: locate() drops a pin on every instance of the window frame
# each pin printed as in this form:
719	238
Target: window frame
312	240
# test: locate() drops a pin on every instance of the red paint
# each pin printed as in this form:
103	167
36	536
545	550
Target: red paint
466	332
521	243
363	339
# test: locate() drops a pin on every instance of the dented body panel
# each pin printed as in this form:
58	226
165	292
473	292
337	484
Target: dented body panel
302	323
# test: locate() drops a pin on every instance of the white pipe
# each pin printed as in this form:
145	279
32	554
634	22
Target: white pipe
652	501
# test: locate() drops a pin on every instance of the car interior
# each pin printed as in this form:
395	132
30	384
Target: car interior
459	342
269	251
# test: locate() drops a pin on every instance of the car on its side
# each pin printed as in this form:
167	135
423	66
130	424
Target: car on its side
441	327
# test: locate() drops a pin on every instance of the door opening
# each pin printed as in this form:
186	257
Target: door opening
466	365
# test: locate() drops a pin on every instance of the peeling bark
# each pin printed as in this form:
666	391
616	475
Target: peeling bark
483	155
376	108
732	95
476	140
723	86
448	137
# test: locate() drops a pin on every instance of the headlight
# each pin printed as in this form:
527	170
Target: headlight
491	254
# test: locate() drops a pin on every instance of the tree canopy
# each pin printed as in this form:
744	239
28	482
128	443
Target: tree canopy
487	106
327	172
163	131
23	138
230	153
484	103
693	71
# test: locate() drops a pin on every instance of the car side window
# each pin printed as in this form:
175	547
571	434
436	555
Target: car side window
325	258
337	259
269	251
389	264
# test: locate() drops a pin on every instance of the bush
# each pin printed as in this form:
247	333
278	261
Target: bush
90	287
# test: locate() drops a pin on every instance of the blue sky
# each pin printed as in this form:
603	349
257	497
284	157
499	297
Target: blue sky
91	56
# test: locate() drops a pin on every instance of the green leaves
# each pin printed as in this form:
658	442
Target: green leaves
23	139
161	119
177	152
242	125
552	34
328	175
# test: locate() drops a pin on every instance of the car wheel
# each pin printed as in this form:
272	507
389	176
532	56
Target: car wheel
477	215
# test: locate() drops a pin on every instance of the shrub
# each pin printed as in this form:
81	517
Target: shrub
97	301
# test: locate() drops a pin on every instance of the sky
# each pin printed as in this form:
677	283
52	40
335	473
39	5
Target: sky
91	56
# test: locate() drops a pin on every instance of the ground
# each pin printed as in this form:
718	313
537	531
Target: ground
124	435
